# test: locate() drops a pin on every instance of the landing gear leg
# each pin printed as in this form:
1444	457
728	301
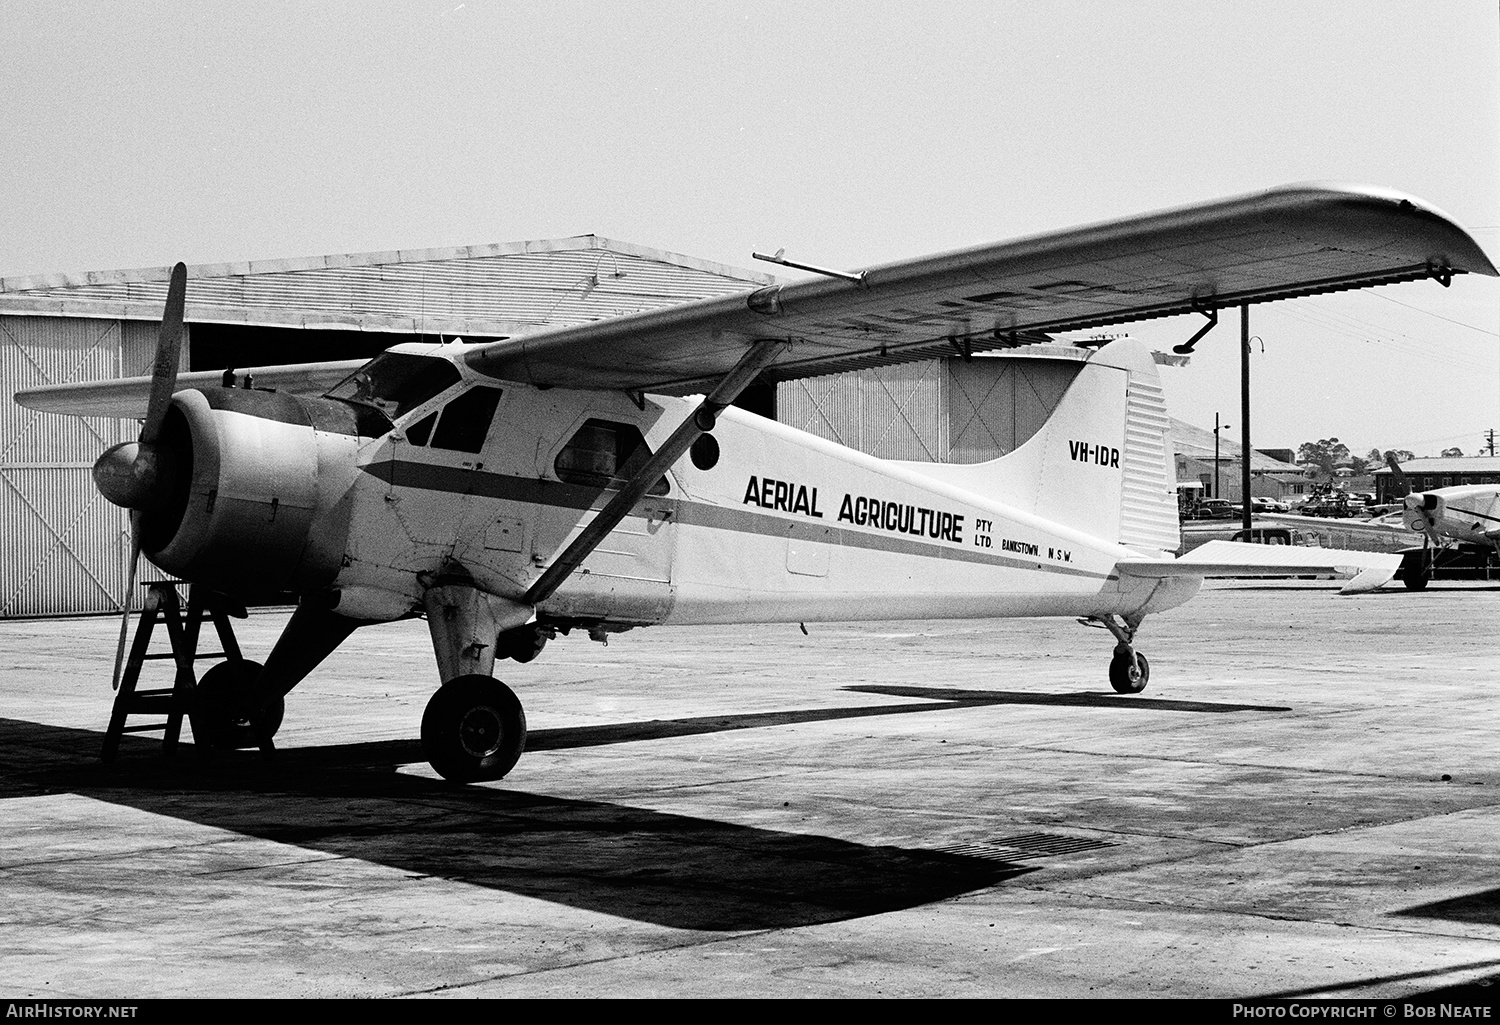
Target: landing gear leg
474	728
1128	670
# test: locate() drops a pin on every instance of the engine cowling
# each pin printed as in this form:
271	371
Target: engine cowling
1424	511
258	500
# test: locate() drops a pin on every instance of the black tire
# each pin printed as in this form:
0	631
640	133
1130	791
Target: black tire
225	703
1415	583
473	730
1120	677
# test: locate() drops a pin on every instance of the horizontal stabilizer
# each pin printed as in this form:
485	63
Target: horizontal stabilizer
1364	570
127	397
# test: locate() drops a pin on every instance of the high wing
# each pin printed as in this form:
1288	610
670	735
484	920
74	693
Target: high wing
128	397
1291	241
1365	570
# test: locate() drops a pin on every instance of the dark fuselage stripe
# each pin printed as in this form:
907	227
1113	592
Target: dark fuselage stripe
459	481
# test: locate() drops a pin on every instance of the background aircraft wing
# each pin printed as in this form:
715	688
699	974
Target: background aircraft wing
1375	528
1291	241
128	397
1364	570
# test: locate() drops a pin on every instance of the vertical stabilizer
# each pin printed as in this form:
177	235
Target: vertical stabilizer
1101	464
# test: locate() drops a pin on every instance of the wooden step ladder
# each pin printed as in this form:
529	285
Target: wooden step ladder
183	628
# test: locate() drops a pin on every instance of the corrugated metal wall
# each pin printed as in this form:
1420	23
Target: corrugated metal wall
892	412
65	547
62	548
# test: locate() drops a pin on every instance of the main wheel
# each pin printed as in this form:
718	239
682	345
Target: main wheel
1415	583
473	729
226	709
1128	679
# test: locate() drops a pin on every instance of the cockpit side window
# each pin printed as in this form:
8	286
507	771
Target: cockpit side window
465	422
396	382
419	432
604	454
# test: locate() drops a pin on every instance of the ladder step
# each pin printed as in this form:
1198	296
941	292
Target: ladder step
183	625
161	655
148	702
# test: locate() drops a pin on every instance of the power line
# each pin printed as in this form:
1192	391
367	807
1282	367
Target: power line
1439	316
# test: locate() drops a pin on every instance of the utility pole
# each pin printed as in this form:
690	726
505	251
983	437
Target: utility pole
1489	441
1245	419
1217	428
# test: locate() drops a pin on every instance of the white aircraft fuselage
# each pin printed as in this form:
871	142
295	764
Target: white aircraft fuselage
776	525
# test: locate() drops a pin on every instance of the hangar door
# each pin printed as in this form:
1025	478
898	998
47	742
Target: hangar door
62	546
940	411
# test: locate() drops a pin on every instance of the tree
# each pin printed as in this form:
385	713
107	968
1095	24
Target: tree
1452	452
1382	458
1323	454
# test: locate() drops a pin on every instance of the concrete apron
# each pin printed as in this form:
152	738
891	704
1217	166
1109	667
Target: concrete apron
933	809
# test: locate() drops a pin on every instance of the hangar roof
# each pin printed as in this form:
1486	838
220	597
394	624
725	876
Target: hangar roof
502	289
1198	443
1446	464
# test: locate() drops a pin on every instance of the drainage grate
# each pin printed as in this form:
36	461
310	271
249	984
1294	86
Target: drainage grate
1027	845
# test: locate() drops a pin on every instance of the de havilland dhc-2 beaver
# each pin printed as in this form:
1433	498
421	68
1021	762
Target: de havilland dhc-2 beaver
597	477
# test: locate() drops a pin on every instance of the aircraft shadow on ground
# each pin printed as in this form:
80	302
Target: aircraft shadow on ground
1482	908
631	862
648	866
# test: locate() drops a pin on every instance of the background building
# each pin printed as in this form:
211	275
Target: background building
1426	474
1270	477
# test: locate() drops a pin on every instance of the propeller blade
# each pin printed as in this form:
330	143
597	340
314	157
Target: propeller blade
168	352
1399	475
135	561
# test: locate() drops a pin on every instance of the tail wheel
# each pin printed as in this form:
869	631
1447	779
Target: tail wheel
227	711
473	730
1129	675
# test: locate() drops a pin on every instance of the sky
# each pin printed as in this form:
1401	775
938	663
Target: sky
851	133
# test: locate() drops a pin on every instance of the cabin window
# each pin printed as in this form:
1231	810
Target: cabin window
465	422
419	432
396	382
604	454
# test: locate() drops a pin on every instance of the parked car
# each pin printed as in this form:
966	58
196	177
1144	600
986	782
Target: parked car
1268	505
1335	504
1215	509
1271	536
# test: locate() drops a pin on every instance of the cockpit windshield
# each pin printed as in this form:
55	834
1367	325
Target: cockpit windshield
396	382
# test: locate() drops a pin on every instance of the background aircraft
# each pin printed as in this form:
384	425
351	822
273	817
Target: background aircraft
1459	523
597	478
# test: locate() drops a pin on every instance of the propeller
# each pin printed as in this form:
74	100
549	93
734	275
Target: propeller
131	474
1399	474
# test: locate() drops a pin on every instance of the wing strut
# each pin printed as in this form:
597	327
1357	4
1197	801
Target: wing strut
690	430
